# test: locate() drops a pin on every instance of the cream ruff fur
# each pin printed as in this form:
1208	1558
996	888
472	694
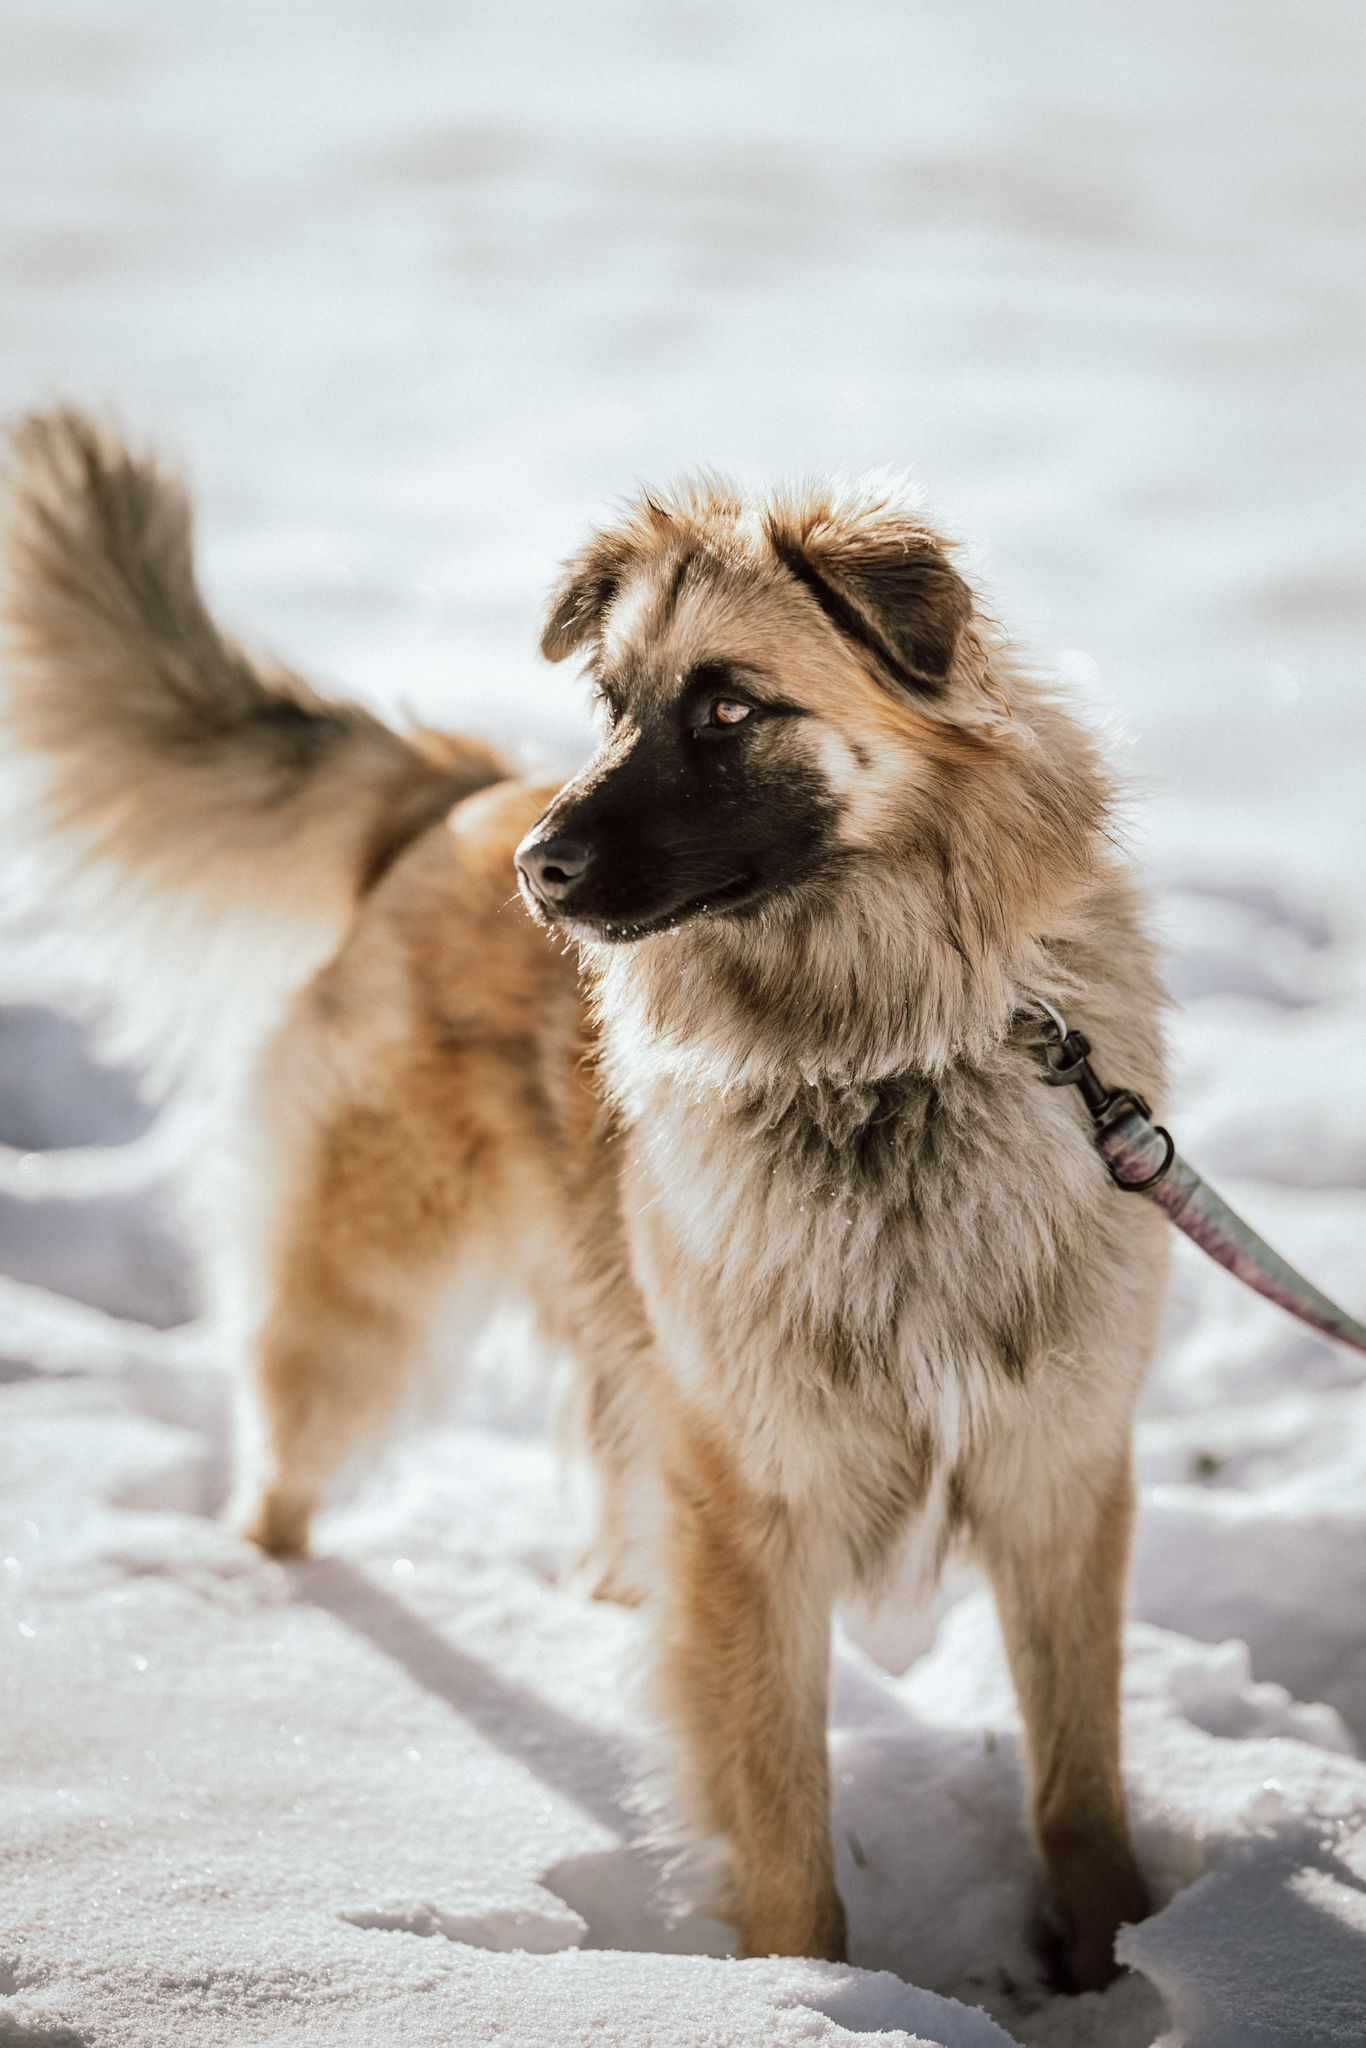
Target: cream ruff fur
781	1172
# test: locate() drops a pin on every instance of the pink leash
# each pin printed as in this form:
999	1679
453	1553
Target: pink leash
1144	1161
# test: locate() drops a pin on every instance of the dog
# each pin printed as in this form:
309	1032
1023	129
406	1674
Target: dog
767	1144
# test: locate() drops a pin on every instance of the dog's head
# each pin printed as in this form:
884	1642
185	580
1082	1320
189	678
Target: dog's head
772	677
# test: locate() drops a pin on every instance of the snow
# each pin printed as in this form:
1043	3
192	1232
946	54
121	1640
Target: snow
416	292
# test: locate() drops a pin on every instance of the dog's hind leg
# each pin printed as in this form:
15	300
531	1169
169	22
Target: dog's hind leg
370	1223
1057	1552
332	1363
745	1678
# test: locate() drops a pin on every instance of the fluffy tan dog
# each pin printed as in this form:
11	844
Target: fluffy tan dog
772	1152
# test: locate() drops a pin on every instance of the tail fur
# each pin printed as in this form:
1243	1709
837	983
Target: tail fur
182	794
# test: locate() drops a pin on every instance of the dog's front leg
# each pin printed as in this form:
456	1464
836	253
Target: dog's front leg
1053	1531
746	1672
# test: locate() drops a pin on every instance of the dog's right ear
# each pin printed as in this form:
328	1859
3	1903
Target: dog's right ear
589	583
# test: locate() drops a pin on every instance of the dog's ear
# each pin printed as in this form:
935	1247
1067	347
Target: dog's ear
589	583
884	581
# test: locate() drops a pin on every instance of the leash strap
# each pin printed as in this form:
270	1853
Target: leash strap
1143	1160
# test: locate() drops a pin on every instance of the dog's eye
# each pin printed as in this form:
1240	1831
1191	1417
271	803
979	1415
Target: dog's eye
723	716
713	705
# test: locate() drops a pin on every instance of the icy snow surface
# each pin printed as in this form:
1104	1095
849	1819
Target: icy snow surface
416	289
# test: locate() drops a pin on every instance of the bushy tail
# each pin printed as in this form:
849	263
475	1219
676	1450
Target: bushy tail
180	796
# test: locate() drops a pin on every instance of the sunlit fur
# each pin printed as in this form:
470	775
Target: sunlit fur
837	1266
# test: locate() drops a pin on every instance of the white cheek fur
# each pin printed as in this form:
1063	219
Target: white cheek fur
870	792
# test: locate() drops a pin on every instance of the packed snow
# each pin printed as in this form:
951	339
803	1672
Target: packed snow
415	290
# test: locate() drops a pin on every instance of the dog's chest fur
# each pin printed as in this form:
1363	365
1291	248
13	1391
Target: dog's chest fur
868	1274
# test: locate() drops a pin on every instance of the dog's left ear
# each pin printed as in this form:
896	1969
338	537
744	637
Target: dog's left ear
887	583
590	581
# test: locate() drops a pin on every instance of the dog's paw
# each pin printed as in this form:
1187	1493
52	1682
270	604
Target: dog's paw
815	1926
597	1574
1075	1966
614	1586
1074	1958
280	1525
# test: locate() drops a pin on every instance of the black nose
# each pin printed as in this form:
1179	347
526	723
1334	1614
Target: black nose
554	867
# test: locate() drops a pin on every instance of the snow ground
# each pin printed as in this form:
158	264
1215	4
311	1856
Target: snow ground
416	291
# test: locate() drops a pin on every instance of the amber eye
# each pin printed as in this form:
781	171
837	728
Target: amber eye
729	711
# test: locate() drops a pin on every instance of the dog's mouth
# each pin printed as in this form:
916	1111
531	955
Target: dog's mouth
738	894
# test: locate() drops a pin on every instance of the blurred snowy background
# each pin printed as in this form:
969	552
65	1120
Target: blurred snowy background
414	291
